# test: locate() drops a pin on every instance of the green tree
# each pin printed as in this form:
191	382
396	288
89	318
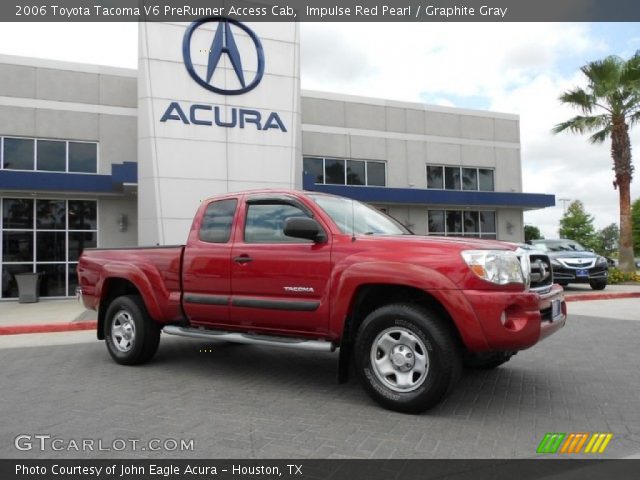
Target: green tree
610	105
532	232
635	225
576	224
607	240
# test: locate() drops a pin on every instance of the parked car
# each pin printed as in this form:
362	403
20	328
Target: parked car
318	272
572	263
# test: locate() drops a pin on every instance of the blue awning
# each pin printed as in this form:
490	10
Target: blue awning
417	196
126	172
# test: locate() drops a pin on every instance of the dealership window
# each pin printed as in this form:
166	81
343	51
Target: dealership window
445	177
51	156
47	155
469	178
337	171
83	157
45	236
485	177
435	177
314	166
334	171
18	153
464	223
452	178
356	174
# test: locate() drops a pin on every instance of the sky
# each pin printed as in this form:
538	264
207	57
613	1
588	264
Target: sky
506	67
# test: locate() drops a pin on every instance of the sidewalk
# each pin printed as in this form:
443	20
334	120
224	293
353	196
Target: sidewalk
45	316
576	292
68	315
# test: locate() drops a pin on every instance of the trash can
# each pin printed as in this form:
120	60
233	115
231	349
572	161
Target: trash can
28	287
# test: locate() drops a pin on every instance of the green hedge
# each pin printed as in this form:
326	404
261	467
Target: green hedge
616	276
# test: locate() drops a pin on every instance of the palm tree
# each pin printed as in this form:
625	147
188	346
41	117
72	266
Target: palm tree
610	104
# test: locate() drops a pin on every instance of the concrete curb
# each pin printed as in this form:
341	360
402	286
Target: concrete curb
47	328
600	296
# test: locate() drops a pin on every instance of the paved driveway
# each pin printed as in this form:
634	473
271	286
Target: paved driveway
248	401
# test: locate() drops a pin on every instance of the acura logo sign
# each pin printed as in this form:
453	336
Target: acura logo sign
224	43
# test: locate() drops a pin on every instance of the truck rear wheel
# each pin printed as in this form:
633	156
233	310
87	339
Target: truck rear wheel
132	337
406	357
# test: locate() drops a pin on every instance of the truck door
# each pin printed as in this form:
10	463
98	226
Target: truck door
206	270
278	283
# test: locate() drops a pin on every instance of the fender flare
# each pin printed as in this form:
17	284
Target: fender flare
141	281
347	281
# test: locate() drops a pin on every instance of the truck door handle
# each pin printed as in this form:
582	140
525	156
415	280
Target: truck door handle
243	259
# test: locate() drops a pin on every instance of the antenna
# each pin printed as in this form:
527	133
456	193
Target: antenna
353	208
353	220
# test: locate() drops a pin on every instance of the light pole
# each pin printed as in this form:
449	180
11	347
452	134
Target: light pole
564	204
564	208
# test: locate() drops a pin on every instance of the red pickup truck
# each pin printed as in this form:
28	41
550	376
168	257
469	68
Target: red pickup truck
320	272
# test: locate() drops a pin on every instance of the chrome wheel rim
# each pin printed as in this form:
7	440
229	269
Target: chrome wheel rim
123	331
399	359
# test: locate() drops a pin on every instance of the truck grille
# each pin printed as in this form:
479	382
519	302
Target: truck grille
541	273
577	264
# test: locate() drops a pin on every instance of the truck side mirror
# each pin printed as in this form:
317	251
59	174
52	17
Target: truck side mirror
304	227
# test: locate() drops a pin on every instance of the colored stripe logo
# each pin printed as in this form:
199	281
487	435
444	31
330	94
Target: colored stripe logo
598	443
574	442
550	443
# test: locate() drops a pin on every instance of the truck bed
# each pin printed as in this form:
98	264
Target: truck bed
156	269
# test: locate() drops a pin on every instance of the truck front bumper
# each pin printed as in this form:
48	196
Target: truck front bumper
516	321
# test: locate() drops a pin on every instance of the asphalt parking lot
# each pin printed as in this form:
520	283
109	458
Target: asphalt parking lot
257	402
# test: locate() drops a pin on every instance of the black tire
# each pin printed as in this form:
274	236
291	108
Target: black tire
428	331
129	312
563	284
486	360
598	284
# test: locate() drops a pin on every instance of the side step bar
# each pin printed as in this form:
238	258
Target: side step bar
255	339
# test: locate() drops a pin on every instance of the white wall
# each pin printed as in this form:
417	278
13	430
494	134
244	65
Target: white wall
180	165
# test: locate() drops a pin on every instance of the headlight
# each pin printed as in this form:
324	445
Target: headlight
495	266
602	261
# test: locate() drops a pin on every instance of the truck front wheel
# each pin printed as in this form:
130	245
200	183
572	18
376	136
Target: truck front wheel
406	357
131	336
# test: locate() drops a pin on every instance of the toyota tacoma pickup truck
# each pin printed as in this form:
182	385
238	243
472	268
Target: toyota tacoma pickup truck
319	272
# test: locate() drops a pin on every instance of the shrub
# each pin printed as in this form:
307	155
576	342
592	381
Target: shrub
616	276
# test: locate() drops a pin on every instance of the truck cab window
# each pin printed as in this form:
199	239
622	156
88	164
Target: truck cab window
217	220
265	223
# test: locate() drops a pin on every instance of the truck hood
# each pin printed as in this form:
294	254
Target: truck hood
424	254
450	243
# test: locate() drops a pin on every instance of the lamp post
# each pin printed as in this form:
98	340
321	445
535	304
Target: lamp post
564	204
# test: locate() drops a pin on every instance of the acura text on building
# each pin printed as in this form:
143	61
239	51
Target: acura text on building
210	115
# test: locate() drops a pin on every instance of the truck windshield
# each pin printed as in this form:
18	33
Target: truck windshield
351	216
